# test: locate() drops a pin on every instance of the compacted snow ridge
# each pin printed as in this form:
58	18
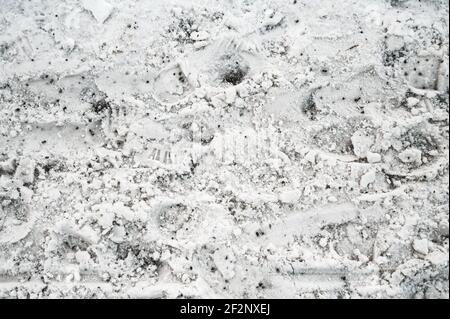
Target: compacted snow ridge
224	149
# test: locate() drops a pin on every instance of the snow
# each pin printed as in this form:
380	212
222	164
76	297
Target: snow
421	246
100	9
224	149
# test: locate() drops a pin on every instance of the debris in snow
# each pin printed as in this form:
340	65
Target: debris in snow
200	36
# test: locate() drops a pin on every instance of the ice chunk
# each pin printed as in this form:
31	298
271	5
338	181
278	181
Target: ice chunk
368	178
373	157
437	258
100	9
361	144
421	246
289	196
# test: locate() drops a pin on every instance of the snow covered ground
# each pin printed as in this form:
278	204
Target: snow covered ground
232	148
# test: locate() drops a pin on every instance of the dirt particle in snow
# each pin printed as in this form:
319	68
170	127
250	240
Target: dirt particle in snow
411	155
101	106
310	108
224	260
233	69
234	75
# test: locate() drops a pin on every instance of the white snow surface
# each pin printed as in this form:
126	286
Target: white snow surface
224	149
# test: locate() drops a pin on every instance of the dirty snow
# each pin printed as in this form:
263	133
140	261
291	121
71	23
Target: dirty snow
233	149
